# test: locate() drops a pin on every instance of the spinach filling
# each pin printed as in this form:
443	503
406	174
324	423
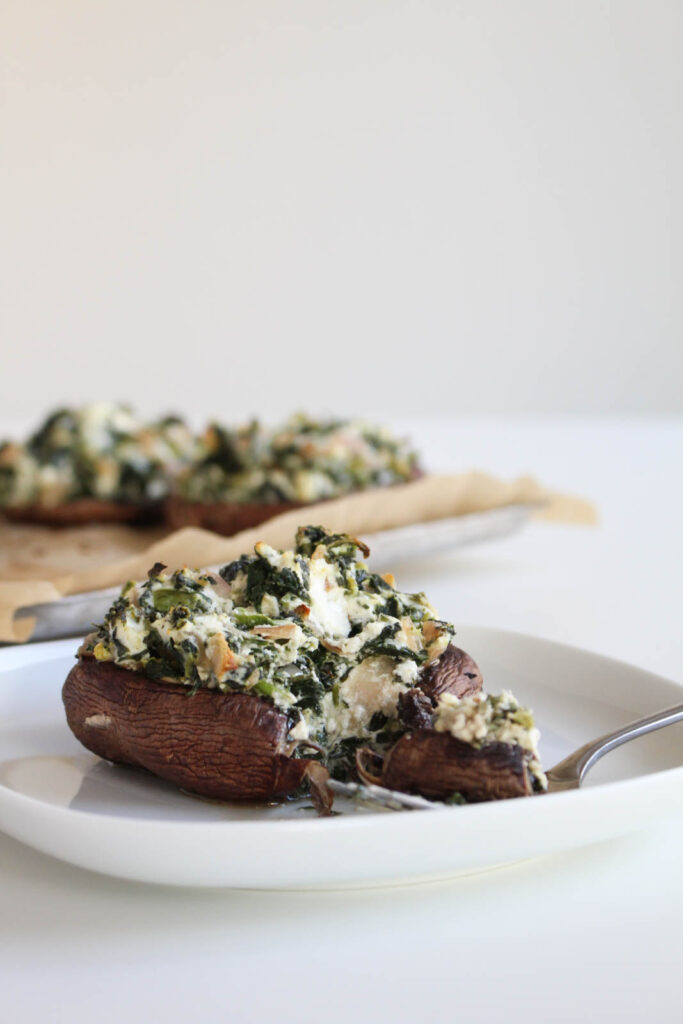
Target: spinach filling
331	644
304	460
98	451
293	627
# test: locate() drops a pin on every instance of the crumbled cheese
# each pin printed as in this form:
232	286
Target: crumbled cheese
464	718
353	644
369	687
407	672
482	718
131	631
270	606
329	615
361	608
299	731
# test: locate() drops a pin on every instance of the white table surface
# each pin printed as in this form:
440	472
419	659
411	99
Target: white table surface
592	935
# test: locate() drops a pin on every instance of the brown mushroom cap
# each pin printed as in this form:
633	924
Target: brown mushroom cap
234	746
436	765
230	746
226	518
454	672
82	511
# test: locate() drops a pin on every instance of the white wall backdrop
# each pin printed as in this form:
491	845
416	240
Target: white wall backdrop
382	207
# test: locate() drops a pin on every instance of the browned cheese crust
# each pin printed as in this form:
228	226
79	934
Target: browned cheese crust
227	746
83	511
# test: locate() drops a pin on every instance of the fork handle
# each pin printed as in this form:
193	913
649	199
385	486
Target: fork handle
569	774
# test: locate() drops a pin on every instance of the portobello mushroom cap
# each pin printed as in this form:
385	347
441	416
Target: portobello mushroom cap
454	672
436	765
83	511
228	746
226	518
234	746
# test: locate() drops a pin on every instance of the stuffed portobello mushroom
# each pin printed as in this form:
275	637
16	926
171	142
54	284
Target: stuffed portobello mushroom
97	463
255	682
249	474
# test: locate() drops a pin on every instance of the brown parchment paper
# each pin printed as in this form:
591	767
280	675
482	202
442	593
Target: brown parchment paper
39	564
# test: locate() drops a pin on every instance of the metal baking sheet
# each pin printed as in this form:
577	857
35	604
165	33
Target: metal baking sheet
76	614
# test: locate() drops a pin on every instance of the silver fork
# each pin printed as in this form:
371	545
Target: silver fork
567	774
570	773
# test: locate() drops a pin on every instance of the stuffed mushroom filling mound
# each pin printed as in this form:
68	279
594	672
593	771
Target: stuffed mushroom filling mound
312	630
101	451
303	461
482	718
334	647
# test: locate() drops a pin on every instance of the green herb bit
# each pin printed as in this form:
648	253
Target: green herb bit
166	599
248	619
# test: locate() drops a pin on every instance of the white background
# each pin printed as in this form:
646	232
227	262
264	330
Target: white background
350	205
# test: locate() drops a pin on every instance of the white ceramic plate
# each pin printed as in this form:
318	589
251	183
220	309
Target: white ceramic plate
57	797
